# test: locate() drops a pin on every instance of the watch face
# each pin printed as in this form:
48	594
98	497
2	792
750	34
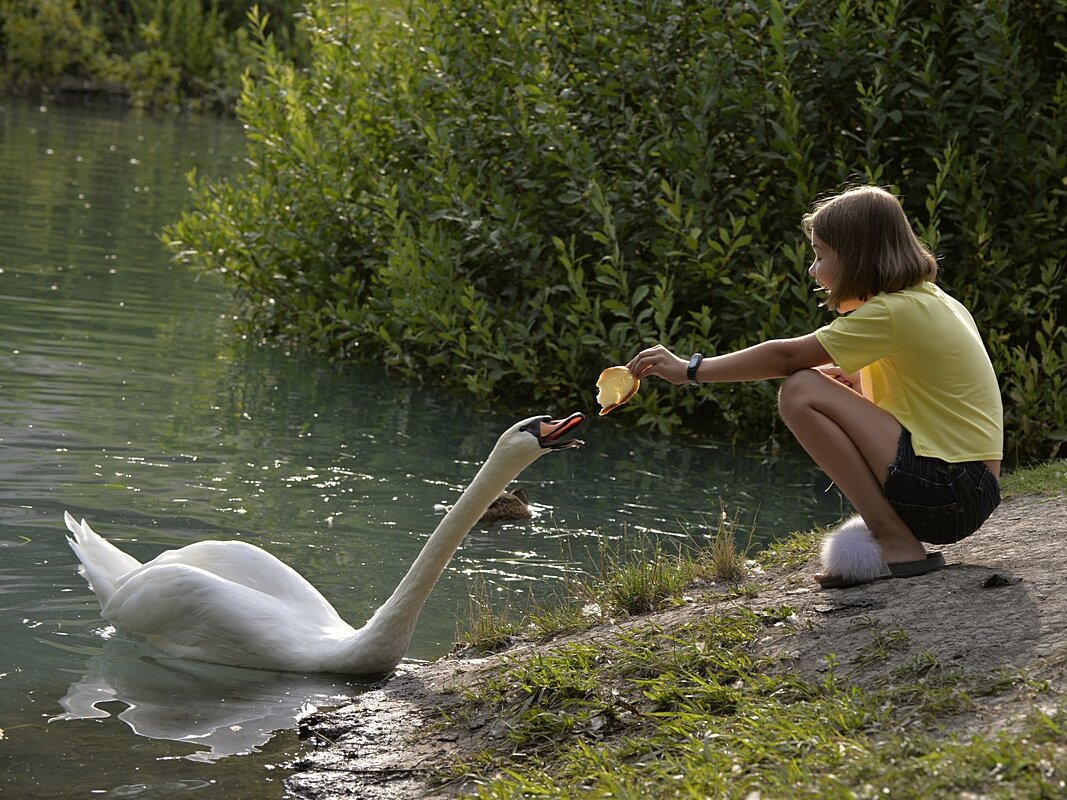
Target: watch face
694	363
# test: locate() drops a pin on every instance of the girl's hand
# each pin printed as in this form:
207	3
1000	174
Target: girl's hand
851	380
659	361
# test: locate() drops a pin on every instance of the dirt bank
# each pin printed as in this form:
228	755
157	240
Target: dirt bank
1001	602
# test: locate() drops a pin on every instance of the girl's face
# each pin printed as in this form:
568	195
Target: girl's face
825	269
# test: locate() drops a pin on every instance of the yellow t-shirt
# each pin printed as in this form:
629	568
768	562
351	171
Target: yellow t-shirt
920	357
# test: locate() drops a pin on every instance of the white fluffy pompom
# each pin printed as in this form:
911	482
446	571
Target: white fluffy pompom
851	553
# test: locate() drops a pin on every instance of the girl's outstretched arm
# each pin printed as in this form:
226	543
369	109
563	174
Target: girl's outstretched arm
776	358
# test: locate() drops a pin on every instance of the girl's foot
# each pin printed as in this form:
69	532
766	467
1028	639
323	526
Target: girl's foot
852	554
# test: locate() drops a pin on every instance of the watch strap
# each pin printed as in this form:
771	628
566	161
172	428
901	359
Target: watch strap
691	370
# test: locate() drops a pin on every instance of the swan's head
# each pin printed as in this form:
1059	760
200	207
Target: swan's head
550	433
526	441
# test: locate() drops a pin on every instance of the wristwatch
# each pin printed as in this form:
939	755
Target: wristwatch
691	370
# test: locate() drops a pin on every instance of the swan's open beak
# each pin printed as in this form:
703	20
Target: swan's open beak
552	431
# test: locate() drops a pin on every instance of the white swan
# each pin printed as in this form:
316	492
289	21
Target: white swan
233	603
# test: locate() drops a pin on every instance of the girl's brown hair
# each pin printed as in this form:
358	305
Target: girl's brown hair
877	250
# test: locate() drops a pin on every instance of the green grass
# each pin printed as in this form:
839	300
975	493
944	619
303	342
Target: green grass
880	647
792	551
490	626
1046	480
693	713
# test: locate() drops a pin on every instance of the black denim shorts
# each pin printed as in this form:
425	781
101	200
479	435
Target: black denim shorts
941	502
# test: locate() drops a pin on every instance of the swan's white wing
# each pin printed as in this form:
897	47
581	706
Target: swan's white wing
247	565
193	613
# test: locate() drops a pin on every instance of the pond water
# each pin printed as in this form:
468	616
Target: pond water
126	398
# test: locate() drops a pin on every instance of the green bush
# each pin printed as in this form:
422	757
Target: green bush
189	53
43	40
509	197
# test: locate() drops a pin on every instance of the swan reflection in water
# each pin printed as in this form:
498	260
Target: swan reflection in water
223	710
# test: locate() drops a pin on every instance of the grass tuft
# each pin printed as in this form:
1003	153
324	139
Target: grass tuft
634	575
489	627
1047	480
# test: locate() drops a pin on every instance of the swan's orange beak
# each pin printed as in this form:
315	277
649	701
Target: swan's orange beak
552	431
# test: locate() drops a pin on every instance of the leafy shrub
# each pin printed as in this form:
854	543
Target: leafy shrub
45	39
510	196
158	52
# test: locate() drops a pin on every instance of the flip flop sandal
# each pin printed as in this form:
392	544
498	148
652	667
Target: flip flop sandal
909	569
904	569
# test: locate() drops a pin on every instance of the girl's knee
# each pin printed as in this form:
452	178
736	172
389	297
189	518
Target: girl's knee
798	392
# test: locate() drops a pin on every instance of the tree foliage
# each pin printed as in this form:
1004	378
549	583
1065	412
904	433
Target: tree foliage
510	196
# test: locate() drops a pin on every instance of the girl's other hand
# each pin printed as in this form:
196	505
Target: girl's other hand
659	361
851	380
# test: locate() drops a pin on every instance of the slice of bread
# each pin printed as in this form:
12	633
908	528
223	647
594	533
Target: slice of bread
614	387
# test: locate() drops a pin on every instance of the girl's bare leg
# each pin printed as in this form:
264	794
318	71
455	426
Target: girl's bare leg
854	442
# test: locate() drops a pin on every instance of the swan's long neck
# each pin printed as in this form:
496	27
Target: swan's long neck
396	617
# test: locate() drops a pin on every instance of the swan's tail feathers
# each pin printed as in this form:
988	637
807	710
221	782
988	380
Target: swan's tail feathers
102	564
851	552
